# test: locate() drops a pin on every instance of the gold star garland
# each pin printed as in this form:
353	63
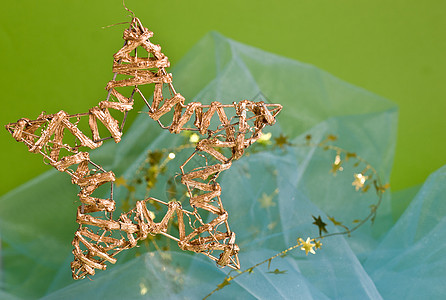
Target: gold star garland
360	183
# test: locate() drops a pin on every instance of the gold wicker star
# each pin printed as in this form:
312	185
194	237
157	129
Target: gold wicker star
140	62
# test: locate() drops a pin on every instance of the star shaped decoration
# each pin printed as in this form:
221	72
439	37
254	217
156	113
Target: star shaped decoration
336	223
359	181
320	224
120	181
381	188
224	283
267	200
272	225
336	166
317	244
277	271
366	188
350	155
332	137
281	141
307	246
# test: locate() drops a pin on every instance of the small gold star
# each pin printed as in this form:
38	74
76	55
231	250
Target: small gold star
267	201
307	246
320	224
272	225
350	155
336	166
332	137
359	181
143	288
382	188
277	271
317	244
224	283
336	223
120	181
281	141
366	188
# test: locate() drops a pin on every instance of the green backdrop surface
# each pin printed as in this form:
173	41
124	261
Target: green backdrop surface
56	56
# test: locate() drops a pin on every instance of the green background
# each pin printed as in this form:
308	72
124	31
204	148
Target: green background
55	55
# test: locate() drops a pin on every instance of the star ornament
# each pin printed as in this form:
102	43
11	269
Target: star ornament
281	141
320	224
333	220
336	166
267	200
120	181
307	246
277	271
359	181
317	244
225	282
